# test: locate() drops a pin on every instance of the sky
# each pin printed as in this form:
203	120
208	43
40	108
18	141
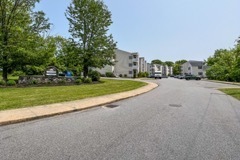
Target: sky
168	30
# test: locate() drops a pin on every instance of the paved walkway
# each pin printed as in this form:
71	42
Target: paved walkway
25	114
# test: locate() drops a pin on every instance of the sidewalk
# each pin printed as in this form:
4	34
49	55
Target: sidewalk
31	113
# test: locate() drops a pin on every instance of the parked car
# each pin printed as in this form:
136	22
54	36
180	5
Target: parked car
181	77
176	76
192	77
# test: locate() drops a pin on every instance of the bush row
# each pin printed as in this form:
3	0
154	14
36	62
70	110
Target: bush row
8	83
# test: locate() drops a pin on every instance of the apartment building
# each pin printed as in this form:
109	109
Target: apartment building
149	67
167	70
194	68
142	64
126	64
155	68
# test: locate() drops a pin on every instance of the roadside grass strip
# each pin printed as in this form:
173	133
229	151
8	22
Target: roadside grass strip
12	98
234	92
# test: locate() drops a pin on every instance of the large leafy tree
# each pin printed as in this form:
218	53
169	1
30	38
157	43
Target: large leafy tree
89	22
169	63
66	55
225	65
177	66
157	61
21	32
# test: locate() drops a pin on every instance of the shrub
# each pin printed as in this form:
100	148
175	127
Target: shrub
62	81
109	74
2	83
94	75
11	83
125	75
87	80
146	74
78	81
140	74
34	81
120	75
18	73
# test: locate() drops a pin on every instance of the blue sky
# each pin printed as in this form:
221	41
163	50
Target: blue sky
168	30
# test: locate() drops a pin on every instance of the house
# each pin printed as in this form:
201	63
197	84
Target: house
197	68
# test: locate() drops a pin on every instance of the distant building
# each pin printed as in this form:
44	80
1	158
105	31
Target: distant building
149	67
155	68
142	64
167	70
197	68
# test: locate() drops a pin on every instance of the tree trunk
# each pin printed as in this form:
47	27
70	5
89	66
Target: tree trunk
85	71
5	55
5	73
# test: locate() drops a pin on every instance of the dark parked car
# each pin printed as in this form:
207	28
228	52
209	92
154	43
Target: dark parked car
190	77
181	77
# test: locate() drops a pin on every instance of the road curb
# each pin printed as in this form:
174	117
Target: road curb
223	82
32	113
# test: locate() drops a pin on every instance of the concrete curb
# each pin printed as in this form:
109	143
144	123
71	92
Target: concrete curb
223	82
37	112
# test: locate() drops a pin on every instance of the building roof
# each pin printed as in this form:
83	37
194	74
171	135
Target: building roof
196	63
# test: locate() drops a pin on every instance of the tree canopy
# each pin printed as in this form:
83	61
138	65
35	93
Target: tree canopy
177	66
89	21
21	35
157	61
225	65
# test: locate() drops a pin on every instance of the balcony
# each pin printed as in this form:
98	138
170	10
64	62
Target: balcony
135	60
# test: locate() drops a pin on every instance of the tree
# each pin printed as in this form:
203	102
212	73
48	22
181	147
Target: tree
157	61
177	66
89	21
225	65
66	57
169	63
20	28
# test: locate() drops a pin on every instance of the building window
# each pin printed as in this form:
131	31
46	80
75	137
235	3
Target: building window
135	63
130	64
199	67
189	68
130	57
200	73
134	56
130	72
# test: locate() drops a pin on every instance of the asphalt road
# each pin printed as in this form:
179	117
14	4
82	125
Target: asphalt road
182	120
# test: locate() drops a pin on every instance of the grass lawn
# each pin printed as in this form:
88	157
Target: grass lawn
11	98
234	92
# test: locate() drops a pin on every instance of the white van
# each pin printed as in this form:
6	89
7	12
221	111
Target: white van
157	74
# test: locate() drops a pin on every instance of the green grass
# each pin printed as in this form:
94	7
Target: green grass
11	98
234	92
